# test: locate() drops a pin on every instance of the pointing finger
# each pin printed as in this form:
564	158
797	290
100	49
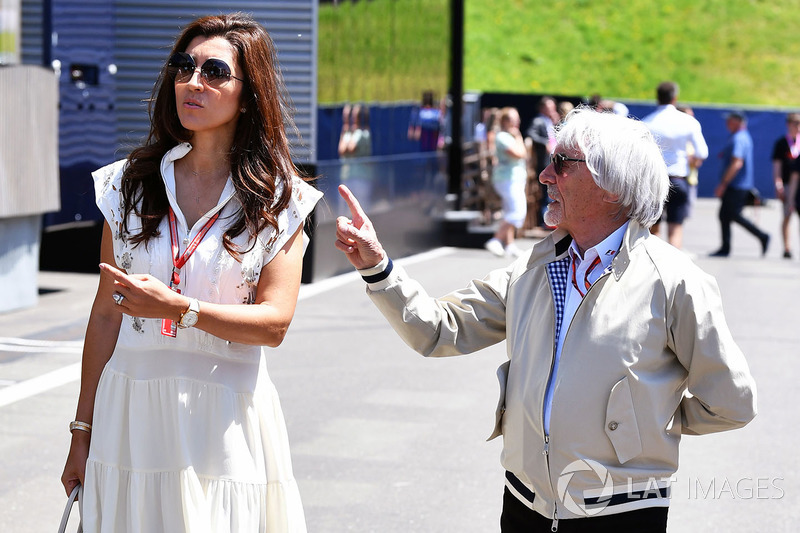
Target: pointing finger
355	208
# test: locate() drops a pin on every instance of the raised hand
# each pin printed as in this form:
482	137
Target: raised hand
356	237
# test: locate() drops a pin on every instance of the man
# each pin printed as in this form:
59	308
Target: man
784	173
607	330
736	183
542	134
674	131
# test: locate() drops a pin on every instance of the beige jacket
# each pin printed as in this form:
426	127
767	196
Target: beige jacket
648	357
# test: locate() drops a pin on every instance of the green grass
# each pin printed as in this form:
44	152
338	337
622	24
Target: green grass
722	51
725	51
383	50
8	42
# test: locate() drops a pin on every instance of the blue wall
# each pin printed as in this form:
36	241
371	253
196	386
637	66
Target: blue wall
388	130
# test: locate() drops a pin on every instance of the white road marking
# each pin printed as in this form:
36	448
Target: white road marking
45	382
33	342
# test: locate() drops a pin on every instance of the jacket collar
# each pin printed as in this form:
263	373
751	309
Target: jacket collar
556	245
634	236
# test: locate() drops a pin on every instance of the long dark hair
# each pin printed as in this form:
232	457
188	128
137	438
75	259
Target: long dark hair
260	155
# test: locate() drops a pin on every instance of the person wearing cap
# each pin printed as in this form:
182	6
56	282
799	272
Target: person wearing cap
736	183
784	172
674	131
617	343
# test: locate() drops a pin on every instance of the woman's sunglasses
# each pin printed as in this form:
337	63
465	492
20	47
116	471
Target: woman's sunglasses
559	159
214	72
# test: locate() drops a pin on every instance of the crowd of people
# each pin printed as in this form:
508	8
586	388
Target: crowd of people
683	147
517	159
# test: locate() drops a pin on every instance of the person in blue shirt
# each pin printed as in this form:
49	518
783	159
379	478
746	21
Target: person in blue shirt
736	183
425	125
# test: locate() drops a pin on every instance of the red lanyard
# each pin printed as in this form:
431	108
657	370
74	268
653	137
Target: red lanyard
586	277
179	260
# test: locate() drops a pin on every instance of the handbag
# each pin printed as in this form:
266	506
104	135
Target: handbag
76	494
753	197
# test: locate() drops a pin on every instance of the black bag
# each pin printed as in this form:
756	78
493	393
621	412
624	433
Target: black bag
753	197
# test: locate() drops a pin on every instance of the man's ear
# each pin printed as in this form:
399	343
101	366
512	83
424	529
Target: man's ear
610	197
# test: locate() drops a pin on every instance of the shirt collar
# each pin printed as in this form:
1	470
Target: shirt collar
606	249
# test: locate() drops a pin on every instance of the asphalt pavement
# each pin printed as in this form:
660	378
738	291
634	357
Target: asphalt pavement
386	441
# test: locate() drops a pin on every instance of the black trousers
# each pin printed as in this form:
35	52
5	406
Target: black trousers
517	518
730	210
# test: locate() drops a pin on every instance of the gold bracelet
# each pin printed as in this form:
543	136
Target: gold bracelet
83	426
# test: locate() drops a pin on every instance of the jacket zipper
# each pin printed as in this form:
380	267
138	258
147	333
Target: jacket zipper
546	450
546	453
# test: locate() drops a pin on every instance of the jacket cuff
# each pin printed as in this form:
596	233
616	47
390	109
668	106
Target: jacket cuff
377	277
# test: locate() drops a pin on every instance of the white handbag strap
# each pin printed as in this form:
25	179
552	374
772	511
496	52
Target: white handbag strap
77	493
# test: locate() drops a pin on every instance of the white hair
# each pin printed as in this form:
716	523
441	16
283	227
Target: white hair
623	157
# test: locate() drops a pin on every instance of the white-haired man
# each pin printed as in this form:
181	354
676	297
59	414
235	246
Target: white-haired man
617	342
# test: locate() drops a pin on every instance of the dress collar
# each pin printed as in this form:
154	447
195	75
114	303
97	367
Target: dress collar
168	175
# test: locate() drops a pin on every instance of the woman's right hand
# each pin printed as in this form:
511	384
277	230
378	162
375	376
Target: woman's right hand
75	468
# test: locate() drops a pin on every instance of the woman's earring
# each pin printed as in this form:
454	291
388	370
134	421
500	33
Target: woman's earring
243	110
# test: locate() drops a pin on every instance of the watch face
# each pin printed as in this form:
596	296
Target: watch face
189	319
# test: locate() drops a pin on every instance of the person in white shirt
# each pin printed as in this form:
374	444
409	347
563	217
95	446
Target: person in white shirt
674	131
178	427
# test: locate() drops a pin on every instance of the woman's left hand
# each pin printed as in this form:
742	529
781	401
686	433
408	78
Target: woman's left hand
143	295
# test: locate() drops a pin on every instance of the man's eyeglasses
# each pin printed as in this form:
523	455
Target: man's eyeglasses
214	72
558	161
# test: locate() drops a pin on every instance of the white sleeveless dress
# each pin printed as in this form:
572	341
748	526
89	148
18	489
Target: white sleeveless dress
188	433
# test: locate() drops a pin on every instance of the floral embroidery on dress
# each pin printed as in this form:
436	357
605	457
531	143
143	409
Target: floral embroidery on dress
126	261
250	298
217	268
249	275
267	246
110	171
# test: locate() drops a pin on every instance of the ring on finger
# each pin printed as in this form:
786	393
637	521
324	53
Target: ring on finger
118	298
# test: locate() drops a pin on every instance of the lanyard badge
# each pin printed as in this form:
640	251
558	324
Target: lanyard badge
168	327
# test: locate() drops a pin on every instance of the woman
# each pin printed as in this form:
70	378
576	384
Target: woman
178	427
509	178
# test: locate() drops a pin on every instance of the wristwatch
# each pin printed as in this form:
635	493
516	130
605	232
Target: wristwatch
190	316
